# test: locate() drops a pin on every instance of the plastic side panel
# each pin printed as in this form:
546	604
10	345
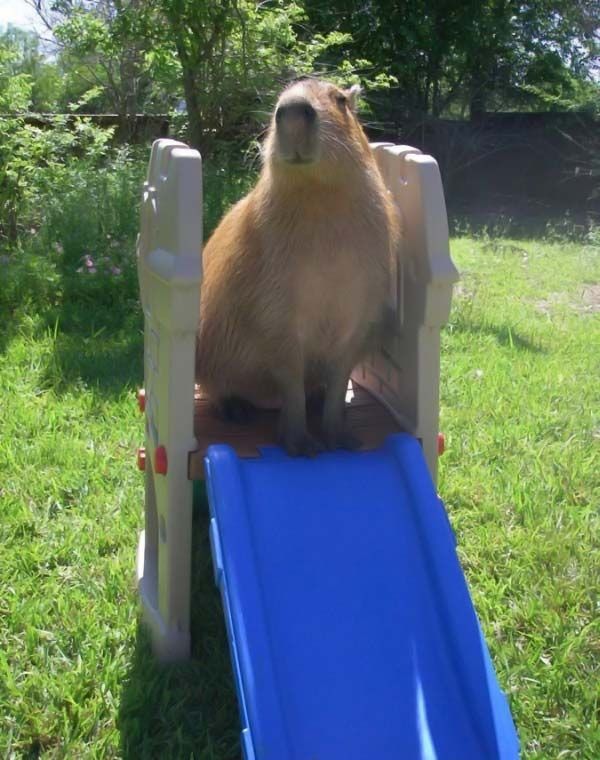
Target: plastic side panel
169	267
390	162
171	216
221	583
452	593
414	181
405	376
169	271
508	740
422	199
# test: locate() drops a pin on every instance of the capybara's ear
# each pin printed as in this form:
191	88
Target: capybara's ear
353	94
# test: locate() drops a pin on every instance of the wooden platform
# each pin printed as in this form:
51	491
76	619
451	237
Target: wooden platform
369	420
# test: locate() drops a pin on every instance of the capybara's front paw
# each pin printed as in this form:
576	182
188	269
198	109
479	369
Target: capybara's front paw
301	444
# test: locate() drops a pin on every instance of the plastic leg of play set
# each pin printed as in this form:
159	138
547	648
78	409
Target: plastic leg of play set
352	632
170	272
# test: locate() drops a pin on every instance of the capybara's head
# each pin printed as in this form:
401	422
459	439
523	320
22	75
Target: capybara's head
315	128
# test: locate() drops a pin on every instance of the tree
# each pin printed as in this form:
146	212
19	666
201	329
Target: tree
449	57
225	57
228	57
26	58
234	55
104	46
520	53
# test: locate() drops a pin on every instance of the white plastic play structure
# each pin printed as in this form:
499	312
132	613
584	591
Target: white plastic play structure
404	377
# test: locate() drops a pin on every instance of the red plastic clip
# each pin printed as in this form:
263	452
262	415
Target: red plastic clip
141	397
141	458
441	444
161	464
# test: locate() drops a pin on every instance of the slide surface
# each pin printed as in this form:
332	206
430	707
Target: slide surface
352	632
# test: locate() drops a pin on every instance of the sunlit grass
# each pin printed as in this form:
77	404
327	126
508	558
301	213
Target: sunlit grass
521	481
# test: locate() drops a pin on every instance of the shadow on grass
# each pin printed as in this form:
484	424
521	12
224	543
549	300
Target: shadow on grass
107	361
505	335
7	332
519	223
98	334
187	710
90	331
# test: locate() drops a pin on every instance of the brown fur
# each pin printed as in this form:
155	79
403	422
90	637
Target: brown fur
297	274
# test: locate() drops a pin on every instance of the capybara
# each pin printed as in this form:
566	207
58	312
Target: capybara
298	273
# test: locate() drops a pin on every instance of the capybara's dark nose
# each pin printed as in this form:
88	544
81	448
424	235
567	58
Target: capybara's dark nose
295	109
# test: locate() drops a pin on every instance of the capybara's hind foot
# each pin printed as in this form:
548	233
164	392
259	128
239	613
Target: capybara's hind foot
237	410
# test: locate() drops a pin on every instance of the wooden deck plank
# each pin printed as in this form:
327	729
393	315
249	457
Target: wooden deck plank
368	419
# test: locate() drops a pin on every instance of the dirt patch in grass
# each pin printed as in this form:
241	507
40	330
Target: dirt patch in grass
548	305
587	302
590	299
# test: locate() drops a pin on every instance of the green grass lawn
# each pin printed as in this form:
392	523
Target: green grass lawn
521	481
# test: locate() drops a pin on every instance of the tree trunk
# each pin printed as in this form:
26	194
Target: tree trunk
477	98
195	122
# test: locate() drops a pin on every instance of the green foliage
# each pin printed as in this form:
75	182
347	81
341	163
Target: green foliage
452	58
15	96
39	163
15	84
229	58
27	62
234	56
49	172
79	258
68	208
112	46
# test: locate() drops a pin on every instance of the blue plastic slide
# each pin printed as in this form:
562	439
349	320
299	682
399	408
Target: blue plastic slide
352	632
